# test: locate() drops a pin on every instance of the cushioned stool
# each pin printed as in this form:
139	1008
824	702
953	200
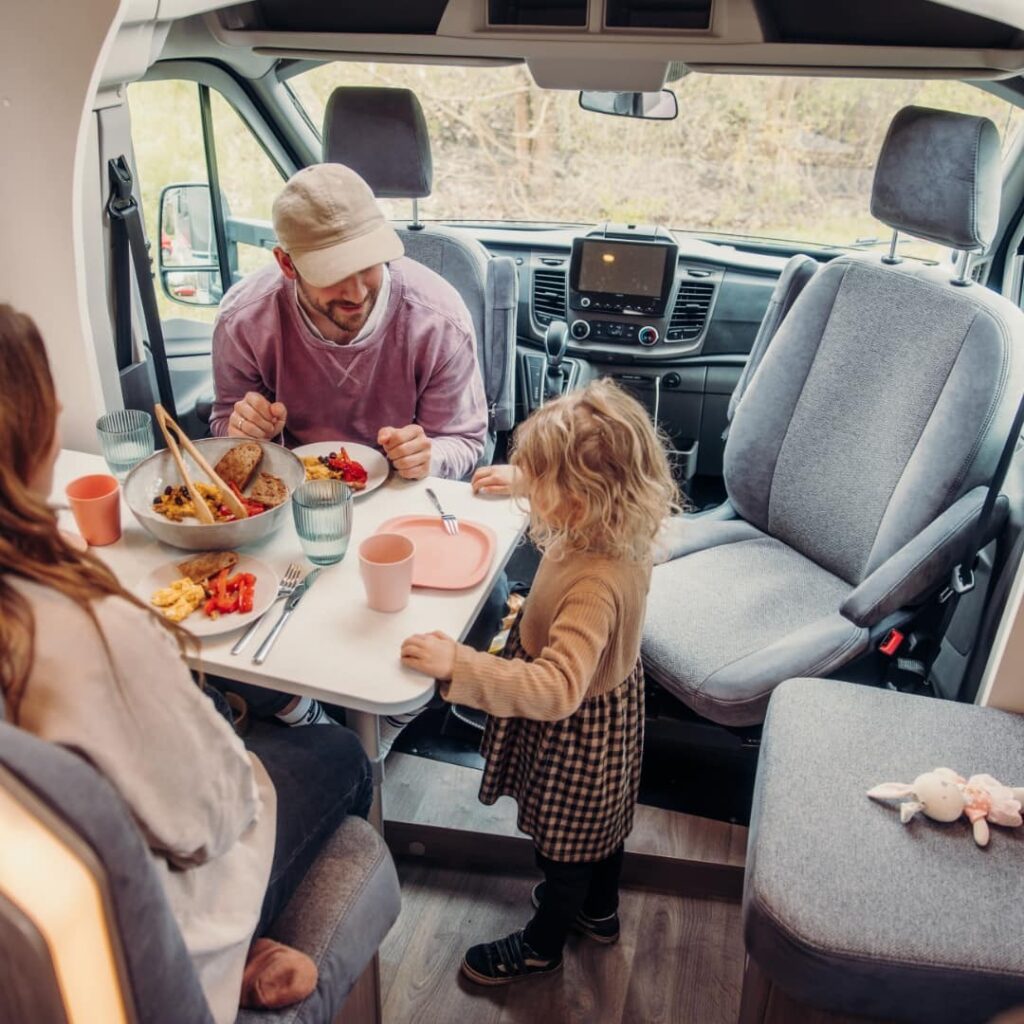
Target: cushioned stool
850	911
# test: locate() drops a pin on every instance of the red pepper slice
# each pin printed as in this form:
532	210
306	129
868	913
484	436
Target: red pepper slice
245	596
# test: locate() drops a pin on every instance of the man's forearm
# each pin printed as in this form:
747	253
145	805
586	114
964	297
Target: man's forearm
455	456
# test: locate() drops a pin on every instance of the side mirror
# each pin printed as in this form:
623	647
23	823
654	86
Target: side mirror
652	106
189	269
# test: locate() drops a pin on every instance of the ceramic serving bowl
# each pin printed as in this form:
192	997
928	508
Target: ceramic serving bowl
151	476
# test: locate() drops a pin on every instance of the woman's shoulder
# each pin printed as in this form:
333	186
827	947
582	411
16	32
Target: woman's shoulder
61	620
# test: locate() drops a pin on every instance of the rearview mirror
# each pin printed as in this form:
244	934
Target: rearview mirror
188	263
653	106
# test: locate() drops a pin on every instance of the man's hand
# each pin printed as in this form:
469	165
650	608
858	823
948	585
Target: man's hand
496	479
433	654
255	416
408	448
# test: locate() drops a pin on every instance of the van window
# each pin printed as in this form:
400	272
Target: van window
167	137
770	157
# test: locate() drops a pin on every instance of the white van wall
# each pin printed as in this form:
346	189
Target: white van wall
50	56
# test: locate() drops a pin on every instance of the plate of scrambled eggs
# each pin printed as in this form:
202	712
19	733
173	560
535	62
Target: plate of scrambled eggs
328	460
248	589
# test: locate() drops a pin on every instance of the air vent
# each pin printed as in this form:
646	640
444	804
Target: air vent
690	312
564	13
548	296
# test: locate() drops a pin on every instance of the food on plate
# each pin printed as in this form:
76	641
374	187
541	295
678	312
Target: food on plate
206	583
201	567
237	468
238	465
180	599
336	466
269	490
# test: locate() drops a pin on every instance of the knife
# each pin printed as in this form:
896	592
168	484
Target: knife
290	605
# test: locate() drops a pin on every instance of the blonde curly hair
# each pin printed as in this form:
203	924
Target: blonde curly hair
596	474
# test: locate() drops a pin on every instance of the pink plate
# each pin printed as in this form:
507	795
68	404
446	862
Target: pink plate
443	561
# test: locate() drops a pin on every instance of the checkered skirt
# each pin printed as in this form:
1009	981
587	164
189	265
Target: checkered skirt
575	780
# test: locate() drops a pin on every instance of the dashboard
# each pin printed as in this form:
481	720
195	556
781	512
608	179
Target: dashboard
703	300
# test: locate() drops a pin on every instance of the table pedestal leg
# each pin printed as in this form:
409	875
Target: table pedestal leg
367	727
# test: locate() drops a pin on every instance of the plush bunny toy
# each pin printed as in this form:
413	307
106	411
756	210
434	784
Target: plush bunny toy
943	796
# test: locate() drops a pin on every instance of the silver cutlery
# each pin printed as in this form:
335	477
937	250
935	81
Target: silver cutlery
285	588
451	524
290	605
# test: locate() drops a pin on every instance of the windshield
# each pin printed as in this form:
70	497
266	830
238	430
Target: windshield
786	158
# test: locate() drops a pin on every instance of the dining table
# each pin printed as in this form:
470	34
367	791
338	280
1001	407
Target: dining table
334	648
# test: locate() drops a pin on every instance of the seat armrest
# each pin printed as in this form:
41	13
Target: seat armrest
922	564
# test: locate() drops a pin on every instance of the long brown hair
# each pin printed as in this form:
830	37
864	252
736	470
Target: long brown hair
31	546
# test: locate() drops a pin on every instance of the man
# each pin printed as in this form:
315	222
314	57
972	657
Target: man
346	340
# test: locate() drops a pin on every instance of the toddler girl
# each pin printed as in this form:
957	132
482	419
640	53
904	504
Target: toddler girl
566	697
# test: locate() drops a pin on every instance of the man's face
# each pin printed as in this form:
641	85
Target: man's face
348	303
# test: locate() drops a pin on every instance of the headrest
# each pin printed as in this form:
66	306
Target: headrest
938	178
382	135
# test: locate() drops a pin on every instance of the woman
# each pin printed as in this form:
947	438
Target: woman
85	664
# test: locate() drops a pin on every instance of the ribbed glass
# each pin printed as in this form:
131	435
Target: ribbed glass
323	519
126	437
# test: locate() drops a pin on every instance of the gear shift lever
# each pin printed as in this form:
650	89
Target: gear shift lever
555	341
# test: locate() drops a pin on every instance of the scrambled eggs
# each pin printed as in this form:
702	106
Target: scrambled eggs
176	504
180	599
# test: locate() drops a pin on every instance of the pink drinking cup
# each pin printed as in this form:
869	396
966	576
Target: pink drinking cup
385	563
95	502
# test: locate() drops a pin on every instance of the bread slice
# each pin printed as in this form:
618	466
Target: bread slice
202	567
269	490
238	465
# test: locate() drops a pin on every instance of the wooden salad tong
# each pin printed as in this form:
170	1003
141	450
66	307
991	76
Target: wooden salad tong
169	429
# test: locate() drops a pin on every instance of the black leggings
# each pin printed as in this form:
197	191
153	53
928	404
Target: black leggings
592	887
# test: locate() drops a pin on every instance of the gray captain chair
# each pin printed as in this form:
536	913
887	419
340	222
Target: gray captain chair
81	902
382	135
858	458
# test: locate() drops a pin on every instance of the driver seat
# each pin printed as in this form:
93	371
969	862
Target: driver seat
858	460
382	135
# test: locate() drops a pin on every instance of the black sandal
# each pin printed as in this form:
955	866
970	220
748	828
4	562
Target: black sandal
505	960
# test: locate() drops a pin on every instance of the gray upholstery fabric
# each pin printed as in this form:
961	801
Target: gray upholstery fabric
846	446
163	985
938	177
849	910
885	396
923	564
727	623
382	135
340	914
799	269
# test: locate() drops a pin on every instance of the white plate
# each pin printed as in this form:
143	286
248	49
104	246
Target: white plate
197	623
377	467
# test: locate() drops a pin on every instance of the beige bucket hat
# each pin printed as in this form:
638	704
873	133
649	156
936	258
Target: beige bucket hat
327	219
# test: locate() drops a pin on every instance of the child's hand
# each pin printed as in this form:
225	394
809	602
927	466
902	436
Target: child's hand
495	479
433	654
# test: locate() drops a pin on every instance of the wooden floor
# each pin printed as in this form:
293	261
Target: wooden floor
680	961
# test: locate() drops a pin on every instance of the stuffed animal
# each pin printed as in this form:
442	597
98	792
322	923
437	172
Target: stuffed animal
942	795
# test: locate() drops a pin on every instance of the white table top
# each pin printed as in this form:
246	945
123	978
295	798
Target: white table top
334	648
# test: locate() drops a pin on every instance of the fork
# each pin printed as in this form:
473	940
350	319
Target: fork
285	588
451	524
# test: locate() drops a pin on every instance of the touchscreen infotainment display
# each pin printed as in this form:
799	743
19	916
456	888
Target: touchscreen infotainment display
621	268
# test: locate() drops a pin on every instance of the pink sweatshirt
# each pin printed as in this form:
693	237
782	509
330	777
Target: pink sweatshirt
418	366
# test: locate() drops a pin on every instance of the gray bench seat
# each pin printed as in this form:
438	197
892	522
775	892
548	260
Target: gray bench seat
850	911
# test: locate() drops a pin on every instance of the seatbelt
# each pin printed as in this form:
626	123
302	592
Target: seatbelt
961	580
129	240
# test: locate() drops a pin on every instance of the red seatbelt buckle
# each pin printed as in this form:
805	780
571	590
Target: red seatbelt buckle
891	644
